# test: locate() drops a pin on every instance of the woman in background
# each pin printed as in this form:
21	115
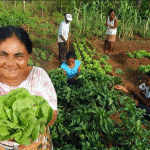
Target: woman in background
111	23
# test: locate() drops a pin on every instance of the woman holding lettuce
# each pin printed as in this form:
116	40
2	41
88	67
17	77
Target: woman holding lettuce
15	48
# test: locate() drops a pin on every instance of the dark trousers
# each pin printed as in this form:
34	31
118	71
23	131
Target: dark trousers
62	51
147	108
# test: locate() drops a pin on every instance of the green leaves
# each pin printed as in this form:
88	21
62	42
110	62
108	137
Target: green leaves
24	116
144	69
139	54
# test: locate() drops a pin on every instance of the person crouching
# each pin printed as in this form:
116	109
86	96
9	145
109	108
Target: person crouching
71	67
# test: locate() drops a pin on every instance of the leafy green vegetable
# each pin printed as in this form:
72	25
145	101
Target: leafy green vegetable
23	116
130	54
108	68
138	54
144	69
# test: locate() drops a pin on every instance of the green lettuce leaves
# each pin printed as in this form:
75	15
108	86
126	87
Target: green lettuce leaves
23	116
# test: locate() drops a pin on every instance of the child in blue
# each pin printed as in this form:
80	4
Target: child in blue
71	67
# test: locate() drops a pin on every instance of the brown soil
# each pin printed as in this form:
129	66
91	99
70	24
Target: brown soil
119	59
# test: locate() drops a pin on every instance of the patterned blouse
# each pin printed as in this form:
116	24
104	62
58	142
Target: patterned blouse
37	83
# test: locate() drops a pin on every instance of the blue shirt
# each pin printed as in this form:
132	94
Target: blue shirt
71	72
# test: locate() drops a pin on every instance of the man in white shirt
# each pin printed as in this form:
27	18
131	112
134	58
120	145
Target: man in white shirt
64	28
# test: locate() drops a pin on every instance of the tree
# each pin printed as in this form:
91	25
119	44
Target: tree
139	3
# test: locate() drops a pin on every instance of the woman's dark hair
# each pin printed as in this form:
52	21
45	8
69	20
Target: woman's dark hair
70	54
111	10
20	33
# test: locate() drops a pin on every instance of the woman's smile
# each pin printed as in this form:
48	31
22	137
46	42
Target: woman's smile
11	70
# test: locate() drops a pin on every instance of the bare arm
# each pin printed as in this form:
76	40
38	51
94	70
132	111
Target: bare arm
63	38
119	87
53	119
79	69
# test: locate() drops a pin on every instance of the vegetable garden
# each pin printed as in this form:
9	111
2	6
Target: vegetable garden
92	114
85	109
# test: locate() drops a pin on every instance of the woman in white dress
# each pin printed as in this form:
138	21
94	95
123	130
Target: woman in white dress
111	23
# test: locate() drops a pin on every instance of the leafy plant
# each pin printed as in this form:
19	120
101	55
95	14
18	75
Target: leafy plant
37	64
103	61
118	71
30	62
130	54
50	56
23	116
108	68
144	69
43	56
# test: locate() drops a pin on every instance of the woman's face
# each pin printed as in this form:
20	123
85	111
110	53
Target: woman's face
112	15
70	61
13	58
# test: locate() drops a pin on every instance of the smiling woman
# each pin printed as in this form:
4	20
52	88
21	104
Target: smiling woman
15	48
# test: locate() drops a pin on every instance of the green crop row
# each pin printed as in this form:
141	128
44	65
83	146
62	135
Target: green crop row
84	54
144	69
139	54
84	121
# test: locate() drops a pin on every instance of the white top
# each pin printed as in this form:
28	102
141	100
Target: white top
63	30
143	87
111	31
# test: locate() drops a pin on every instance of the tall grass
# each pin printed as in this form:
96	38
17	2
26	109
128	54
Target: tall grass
89	19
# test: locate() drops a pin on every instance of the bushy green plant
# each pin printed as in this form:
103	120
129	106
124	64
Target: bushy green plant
30	62
85	109
43	56
37	64
23	116
144	69
118	71
130	54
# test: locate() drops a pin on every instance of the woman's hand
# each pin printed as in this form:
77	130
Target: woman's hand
53	119
119	87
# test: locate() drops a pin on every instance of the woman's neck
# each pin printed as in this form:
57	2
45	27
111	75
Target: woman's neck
13	82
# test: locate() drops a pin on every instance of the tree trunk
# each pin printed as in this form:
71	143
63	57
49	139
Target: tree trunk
24	6
61	7
42	9
139	3
3	2
15	4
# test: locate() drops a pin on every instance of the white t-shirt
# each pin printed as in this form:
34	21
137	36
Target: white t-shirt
143	87
111	31
63	30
